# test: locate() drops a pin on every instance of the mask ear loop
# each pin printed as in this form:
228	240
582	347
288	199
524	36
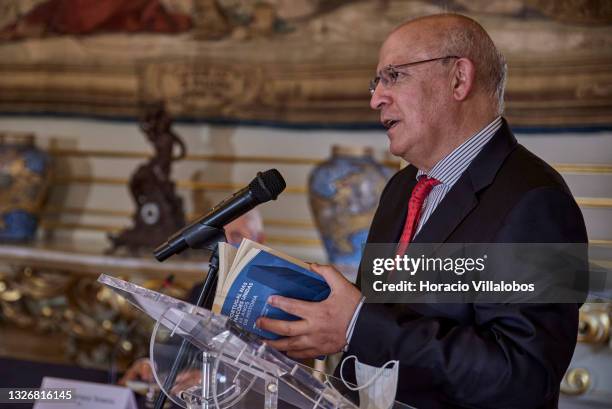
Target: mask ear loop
371	380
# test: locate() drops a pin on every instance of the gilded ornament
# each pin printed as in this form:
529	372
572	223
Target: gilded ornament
576	381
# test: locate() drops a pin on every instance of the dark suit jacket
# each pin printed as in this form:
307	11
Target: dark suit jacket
478	355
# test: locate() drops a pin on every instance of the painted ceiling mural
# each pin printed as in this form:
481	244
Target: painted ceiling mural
302	62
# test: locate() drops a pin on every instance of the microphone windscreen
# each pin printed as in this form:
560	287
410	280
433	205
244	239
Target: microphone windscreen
267	185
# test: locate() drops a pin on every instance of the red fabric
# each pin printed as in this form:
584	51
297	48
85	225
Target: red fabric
92	16
415	205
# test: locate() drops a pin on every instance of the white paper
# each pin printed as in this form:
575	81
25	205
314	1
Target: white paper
88	395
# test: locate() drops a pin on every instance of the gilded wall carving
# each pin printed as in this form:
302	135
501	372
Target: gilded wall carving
48	302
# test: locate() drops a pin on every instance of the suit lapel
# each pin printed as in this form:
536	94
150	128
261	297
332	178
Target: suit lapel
457	204
387	227
389	218
462	198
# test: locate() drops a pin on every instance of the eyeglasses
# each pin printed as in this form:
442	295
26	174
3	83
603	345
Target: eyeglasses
388	75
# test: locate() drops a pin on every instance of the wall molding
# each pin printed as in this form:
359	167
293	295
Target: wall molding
59	210
285	160
567	168
272	239
181	184
593	202
105	228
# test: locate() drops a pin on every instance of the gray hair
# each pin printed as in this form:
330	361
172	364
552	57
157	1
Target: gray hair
468	39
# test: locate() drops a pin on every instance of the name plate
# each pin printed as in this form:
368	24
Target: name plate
88	395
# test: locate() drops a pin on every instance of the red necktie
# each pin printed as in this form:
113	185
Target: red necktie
415	204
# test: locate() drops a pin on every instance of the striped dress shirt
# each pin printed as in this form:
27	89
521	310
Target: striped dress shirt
449	170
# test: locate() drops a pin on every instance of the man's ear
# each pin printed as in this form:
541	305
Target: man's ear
462	80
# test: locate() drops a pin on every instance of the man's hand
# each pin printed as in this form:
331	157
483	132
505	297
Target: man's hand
186	380
139	371
323	325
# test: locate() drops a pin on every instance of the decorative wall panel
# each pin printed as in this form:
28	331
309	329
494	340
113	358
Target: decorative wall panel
306	62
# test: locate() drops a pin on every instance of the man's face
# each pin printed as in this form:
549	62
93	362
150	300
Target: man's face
414	107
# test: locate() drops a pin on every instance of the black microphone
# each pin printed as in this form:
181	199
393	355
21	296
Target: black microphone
266	186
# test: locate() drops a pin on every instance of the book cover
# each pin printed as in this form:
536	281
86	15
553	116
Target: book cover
257	272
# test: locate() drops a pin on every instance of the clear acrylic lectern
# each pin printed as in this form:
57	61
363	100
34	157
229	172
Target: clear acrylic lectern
223	365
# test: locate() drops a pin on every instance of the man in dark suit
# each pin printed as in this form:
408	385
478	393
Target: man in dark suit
439	90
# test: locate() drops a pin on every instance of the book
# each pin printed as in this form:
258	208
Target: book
251	273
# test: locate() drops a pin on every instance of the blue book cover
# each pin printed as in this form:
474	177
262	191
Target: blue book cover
267	274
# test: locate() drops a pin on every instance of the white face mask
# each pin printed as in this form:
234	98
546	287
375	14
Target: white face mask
377	386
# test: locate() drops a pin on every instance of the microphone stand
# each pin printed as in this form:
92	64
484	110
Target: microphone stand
205	299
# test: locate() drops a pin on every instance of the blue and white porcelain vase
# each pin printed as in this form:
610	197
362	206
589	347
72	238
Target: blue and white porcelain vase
24	178
344	192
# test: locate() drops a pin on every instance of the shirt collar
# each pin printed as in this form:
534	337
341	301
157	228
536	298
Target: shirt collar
451	167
